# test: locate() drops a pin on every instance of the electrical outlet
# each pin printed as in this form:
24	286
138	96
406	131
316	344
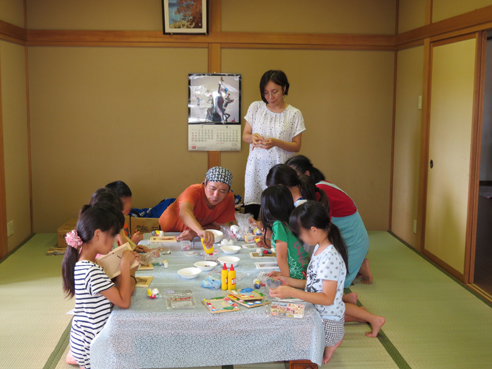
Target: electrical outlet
415	226
420	102
10	228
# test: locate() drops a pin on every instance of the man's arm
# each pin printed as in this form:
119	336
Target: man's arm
189	220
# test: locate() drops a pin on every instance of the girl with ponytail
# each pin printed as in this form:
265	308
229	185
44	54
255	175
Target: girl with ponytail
344	213
302	187
94	292
325	276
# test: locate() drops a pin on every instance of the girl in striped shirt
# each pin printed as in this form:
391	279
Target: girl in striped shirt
94	292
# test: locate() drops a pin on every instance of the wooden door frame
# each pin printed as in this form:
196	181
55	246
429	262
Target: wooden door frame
475	144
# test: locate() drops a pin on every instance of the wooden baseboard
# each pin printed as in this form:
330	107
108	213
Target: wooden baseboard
480	291
448	268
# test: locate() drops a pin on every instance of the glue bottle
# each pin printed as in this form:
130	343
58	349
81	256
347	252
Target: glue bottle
207	251
232	278
224	274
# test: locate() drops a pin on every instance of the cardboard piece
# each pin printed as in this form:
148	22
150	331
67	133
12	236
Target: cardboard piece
132	244
163	239
144	225
66	227
217	305
111	262
143	281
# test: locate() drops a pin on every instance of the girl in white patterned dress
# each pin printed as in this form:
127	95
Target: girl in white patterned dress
94	292
325	274
273	129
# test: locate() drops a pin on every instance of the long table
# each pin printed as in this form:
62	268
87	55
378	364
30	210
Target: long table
148	335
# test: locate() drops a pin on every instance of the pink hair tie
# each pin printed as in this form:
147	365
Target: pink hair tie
72	238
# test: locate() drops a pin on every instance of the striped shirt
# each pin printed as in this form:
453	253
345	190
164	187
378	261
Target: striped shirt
91	309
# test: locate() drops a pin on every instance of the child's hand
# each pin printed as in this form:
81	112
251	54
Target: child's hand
281	278
127	258
275	274
137	237
281	292
141	248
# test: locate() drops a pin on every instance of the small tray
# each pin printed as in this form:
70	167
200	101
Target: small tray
146	267
160	239
143	281
266	265
217	305
179	299
286	309
256	255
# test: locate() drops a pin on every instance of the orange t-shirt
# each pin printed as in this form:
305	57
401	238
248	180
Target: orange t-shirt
170	221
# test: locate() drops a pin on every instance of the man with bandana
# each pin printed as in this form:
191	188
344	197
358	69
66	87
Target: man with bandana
202	206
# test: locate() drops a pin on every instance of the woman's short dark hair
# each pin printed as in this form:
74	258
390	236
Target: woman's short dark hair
276	76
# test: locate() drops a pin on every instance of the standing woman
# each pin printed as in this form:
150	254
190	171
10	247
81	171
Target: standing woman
274	131
345	215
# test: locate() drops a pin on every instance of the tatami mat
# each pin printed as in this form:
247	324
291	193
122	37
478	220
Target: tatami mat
432	321
32	305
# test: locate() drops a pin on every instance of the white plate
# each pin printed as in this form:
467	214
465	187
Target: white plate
230	249
228	260
250	246
218	235
189	273
205	265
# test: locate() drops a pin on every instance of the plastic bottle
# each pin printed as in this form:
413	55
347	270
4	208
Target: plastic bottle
209	251
232	278
224	274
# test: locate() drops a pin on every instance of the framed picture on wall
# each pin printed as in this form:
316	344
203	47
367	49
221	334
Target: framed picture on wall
185	16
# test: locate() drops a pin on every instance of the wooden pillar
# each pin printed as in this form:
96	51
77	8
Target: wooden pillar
4	248
214	59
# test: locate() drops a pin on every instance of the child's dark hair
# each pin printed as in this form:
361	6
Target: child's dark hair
105	195
276	76
302	165
276	204
102	216
313	214
120	188
282	174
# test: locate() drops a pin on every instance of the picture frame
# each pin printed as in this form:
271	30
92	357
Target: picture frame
214	98
185	17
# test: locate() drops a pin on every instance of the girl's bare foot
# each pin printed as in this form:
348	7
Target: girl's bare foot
376	325
329	350
365	271
350	297
70	359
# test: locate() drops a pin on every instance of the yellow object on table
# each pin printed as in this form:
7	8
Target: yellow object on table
209	251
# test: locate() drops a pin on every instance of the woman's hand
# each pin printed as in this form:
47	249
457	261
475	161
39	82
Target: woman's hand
281	292
269	143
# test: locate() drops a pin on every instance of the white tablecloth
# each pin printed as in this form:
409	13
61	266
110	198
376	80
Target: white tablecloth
147	335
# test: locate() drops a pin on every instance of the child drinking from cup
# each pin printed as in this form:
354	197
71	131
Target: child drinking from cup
94	292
